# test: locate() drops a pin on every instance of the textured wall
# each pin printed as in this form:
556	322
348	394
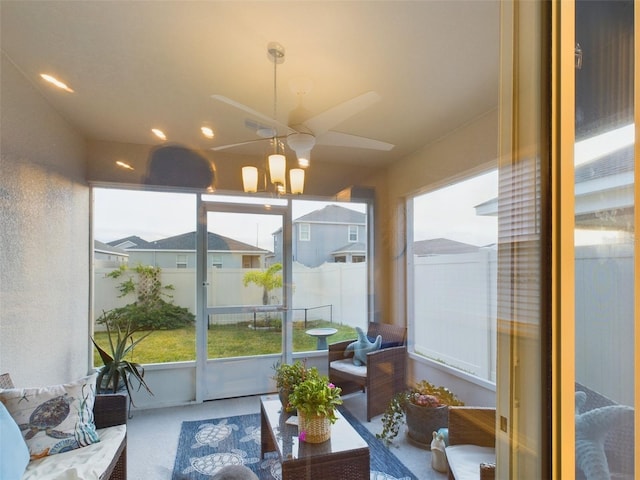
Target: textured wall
44	238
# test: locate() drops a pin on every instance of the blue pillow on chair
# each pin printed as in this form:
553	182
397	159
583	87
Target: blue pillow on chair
385	344
14	454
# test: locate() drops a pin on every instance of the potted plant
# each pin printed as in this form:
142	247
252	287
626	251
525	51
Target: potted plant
424	408
316	400
118	369
288	375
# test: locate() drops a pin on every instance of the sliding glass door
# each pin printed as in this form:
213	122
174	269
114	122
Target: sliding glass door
604	239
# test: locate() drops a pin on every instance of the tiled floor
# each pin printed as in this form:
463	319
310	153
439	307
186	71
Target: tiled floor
153	436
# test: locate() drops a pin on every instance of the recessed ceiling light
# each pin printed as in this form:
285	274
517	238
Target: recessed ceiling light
207	132
53	80
159	133
124	165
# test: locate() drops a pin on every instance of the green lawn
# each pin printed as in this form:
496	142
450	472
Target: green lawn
223	340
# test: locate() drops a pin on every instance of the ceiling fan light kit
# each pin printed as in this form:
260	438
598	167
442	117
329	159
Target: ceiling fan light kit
306	133
302	143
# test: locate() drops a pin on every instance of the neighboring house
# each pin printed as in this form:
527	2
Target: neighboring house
330	234
108	256
603	192
441	246
180	252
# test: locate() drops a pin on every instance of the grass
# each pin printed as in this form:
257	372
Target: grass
223	341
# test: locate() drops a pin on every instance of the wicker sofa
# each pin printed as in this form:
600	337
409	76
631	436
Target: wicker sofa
472	438
384	374
110	417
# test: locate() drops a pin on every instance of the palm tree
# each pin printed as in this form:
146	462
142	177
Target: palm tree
268	279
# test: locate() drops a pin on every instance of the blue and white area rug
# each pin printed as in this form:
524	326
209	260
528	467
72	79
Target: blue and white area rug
205	446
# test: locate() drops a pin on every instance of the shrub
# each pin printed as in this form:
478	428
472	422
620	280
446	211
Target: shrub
150	311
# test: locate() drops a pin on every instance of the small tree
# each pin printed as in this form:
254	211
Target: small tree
153	309
268	279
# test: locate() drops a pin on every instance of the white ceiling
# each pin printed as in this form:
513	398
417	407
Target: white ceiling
135	65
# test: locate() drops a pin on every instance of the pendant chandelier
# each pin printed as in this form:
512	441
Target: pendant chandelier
276	161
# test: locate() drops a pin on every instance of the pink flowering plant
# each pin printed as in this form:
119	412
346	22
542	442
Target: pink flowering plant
316	396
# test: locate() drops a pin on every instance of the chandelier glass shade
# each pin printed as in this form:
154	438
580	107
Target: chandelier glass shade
277	176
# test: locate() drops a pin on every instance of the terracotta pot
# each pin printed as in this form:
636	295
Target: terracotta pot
284	393
423	421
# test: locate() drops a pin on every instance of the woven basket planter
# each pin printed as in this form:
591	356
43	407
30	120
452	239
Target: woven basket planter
317	429
423	421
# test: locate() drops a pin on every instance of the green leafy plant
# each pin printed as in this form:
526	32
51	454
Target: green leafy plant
118	369
316	396
423	394
153	308
288	375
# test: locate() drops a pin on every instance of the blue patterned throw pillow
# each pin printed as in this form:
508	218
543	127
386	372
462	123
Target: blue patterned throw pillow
56	418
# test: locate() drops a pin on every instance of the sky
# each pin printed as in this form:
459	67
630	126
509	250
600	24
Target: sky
449	212
445	213
155	215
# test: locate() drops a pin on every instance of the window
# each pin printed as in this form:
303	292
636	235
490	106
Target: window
358	259
250	261
150	227
453	272
353	233
340	259
304	230
216	261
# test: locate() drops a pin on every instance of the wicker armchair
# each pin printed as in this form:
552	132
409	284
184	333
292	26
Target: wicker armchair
619	437
108	411
385	372
472	426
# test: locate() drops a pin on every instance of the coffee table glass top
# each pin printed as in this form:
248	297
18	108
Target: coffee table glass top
343	437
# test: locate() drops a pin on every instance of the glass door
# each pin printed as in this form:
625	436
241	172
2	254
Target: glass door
244	298
604	240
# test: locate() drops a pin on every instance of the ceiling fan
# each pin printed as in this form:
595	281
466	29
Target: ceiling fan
301	137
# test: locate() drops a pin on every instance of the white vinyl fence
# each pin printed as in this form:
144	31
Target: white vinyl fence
455	315
454	307
455	310
332	291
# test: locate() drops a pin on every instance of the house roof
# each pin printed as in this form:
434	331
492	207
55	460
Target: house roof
187	241
353	247
129	242
99	246
333	214
442	246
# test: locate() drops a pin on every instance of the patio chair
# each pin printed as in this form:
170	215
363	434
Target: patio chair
472	439
384	373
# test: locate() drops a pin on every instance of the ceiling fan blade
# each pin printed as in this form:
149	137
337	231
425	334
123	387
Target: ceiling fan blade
338	139
328	119
231	145
251	111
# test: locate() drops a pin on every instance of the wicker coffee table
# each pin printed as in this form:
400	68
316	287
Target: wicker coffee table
345	456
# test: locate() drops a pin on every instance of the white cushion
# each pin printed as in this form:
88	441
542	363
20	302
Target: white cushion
464	460
86	463
347	366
